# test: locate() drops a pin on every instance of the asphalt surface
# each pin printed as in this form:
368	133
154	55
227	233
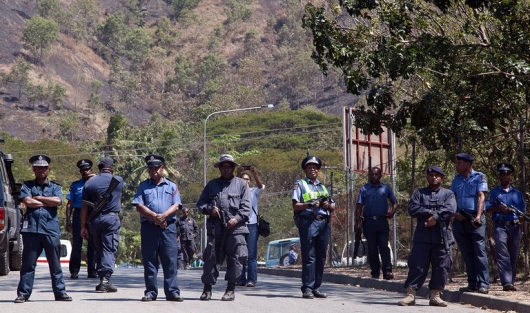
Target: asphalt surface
474	299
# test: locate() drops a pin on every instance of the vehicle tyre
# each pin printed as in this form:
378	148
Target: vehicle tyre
15	257
4	258
284	260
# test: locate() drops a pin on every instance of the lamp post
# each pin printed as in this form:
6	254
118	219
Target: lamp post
264	106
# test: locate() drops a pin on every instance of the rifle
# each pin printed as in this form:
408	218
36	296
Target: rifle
102	201
469	217
357	242
443	228
514	210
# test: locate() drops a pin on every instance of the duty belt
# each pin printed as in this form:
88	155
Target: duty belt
375	217
320	217
506	223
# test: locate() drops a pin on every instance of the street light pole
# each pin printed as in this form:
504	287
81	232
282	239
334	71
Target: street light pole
265	106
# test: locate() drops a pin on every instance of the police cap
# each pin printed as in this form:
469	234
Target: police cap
84	164
311	159
435	169
465	157
40	160
154	160
505	168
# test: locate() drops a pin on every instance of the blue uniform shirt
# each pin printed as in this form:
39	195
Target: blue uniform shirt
41	220
96	186
298	190
158	198
467	189
375	199
76	193
511	197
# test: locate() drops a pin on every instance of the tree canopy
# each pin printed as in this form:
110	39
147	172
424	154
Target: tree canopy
443	69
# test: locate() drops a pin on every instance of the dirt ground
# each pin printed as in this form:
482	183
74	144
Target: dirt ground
458	280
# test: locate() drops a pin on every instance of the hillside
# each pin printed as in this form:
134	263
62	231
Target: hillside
136	58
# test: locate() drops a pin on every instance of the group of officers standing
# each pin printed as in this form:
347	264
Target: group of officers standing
466	204
230	203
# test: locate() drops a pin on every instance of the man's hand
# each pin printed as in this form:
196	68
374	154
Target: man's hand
231	223
314	204
216	212
390	213
84	233
430	222
459	217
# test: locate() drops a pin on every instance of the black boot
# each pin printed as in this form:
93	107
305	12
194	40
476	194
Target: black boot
206	293
229	293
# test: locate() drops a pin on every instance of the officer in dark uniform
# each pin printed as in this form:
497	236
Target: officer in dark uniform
312	206
188	230
373	209
73	223
104	228
226	201
433	207
470	188
40	230
507	231
157	200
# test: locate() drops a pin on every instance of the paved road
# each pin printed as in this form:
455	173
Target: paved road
272	294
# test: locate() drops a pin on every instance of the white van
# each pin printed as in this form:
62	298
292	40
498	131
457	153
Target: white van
66	250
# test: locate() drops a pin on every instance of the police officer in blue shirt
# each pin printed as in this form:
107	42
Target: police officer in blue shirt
104	228
507	231
73	223
470	188
373	210
157	200
40	230
312	206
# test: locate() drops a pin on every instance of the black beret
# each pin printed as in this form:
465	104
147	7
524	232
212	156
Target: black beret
505	168
465	156
310	159
154	160
40	160
435	169
84	164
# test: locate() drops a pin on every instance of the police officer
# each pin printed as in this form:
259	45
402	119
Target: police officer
73	223
312	205
40	230
226	201
372	206
470	189
507	229
188	230
104	227
157	200
433	207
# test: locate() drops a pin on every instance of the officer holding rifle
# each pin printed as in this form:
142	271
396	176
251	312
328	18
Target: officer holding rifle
227	203
433	206
507	232
469	225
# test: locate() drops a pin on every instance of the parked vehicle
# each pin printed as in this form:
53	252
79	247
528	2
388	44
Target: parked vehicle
66	250
10	217
278	252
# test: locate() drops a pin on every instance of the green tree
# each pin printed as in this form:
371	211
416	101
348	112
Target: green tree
39	35
441	69
81	19
19	74
55	94
113	33
51	9
137	44
183	5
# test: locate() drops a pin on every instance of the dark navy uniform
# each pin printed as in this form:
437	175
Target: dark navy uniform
188	230
471	240
507	229
230	196
105	226
74	198
313	228
159	244
40	230
428	243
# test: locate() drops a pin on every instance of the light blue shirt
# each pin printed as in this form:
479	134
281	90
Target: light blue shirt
158	198
466	190
76	193
255	193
